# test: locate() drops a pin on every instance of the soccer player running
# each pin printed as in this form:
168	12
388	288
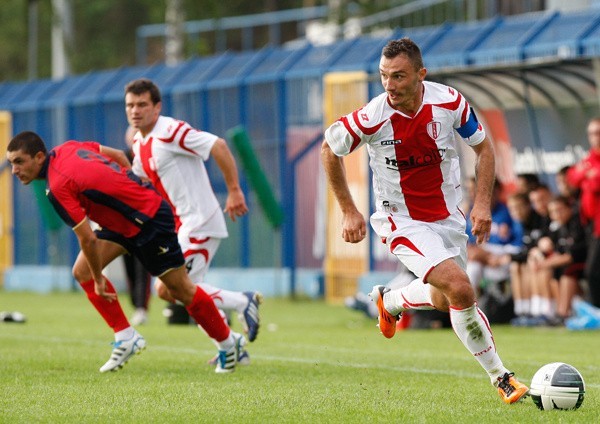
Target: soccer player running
87	181
171	154
409	134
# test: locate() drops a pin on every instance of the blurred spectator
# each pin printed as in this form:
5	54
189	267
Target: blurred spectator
527	182
565	189
539	198
585	176
530	227
484	260
557	264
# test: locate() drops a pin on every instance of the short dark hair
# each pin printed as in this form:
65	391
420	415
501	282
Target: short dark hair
521	197
564	170
29	142
532	181
144	85
561	199
404	46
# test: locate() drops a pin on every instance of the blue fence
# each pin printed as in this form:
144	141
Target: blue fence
276	94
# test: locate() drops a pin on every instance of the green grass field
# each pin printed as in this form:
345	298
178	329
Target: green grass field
312	363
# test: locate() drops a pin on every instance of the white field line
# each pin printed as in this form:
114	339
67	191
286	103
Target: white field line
289	359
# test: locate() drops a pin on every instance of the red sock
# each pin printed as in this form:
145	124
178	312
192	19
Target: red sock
110	311
206	314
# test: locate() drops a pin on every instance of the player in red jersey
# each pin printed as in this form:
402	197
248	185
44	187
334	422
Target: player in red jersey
87	181
409	132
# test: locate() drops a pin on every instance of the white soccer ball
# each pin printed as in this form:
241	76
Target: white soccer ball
557	386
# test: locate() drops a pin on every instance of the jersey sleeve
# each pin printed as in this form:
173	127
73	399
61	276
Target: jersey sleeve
65	201
466	123
340	140
348	134
193	142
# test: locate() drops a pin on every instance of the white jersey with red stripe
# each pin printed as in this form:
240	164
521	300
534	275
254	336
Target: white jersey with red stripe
414	159
172	157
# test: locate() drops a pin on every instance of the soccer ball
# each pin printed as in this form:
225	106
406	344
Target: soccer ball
557	386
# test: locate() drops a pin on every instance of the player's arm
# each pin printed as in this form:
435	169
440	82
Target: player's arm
117	155
354	228
235	205
89	246
481	215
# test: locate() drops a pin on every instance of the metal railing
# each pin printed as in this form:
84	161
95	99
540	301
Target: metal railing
408	14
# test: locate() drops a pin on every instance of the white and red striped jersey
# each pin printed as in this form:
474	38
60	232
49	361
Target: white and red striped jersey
415	163
172	157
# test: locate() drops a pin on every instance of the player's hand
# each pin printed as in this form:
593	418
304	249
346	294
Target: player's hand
235	205
481	218
100	289
354	228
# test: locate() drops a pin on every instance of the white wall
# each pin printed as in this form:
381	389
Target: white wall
569	5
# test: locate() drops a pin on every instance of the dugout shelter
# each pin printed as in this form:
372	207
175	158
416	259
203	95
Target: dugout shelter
533	79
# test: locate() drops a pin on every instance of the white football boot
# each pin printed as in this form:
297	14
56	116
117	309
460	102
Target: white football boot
228	359
122	351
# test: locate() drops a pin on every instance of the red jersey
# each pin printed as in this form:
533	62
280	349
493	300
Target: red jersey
83	182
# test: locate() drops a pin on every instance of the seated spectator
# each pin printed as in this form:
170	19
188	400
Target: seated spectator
539	199
529	227
527	182
566	189
557	264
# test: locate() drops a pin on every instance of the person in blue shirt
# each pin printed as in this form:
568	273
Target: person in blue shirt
483	261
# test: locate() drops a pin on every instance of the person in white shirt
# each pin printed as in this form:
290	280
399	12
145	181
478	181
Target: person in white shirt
171	154
409	132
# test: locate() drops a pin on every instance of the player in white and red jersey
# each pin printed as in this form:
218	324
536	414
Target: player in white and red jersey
171	154
409	133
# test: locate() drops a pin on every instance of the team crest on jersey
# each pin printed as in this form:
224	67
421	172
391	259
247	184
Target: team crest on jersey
433	129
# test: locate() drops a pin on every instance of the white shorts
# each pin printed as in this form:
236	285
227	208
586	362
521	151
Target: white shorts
419	245
198	253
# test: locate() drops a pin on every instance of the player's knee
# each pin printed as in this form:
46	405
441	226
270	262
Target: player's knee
162	291
462	294
440	301
81	273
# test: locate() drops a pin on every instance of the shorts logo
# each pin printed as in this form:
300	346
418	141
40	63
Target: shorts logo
433	129
162	250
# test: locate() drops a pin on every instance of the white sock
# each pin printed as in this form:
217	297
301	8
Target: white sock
521	306
125	334
416	295
536	305
472	328
518	307
546	308
226	299
227	343
526	306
